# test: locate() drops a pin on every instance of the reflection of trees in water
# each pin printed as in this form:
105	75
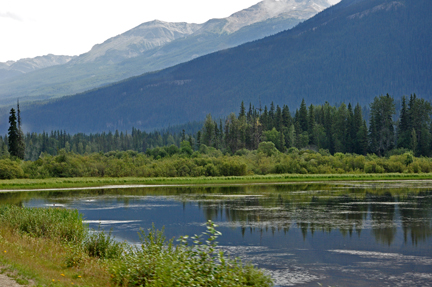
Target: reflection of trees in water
383	217
345	213
416	217
275	208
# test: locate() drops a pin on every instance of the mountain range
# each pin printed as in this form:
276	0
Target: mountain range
11	69
153	46
350	52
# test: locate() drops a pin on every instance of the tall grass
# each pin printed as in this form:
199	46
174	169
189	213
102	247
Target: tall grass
54	223
156	262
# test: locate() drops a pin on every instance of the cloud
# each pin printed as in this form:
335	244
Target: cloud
10	16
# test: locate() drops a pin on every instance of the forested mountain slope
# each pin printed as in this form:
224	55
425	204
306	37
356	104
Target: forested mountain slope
156	45
353	51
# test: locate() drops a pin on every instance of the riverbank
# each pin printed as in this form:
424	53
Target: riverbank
52	247
107	182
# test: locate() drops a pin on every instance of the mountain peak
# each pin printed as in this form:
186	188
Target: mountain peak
267	9
157	33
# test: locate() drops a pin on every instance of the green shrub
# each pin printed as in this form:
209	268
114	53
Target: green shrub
232	167
157	262
211	170
373	167
267	148
10	169
101	245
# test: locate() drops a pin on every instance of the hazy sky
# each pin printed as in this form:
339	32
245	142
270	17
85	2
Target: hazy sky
30	28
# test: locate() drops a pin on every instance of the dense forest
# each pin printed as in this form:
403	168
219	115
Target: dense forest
333	128
311	139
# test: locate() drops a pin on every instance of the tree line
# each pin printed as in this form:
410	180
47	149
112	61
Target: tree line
338	128
334	128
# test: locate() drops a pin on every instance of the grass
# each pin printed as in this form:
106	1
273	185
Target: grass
16	184
52	247
43	261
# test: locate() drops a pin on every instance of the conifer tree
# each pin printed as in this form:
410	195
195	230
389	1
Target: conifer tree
242	110
311	124
272	113
403	131
286	117
208	131
413	144
351	133
362	139
381	124
359	138
278	119
21	140
303	116
13	134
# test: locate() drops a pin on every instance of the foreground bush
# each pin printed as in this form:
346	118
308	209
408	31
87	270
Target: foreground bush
157	262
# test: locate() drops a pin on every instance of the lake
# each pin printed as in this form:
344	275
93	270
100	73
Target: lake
303	234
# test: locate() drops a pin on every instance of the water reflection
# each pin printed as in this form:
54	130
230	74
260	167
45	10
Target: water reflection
344	234
309	207
347	213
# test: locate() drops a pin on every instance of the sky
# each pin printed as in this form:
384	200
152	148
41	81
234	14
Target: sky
30	28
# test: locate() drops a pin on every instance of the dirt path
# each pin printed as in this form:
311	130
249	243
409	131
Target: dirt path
5	281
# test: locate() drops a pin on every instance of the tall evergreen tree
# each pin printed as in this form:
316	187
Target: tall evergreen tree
208	134
242	110
278	118
303	116
21	140
381	124
403	130
311	124
359	139
13	134
340	128
286	117
272	113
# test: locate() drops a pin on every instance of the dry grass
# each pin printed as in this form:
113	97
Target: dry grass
43	261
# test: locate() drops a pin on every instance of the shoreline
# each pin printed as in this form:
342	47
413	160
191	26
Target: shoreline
82	183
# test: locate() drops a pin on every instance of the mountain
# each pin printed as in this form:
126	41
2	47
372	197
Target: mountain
12	69
351	52
156	45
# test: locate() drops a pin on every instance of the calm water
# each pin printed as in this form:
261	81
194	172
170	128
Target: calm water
333	234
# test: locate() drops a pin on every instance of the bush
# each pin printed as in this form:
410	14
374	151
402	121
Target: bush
101	245
267	148
10	169
373	167
157	262
232	167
